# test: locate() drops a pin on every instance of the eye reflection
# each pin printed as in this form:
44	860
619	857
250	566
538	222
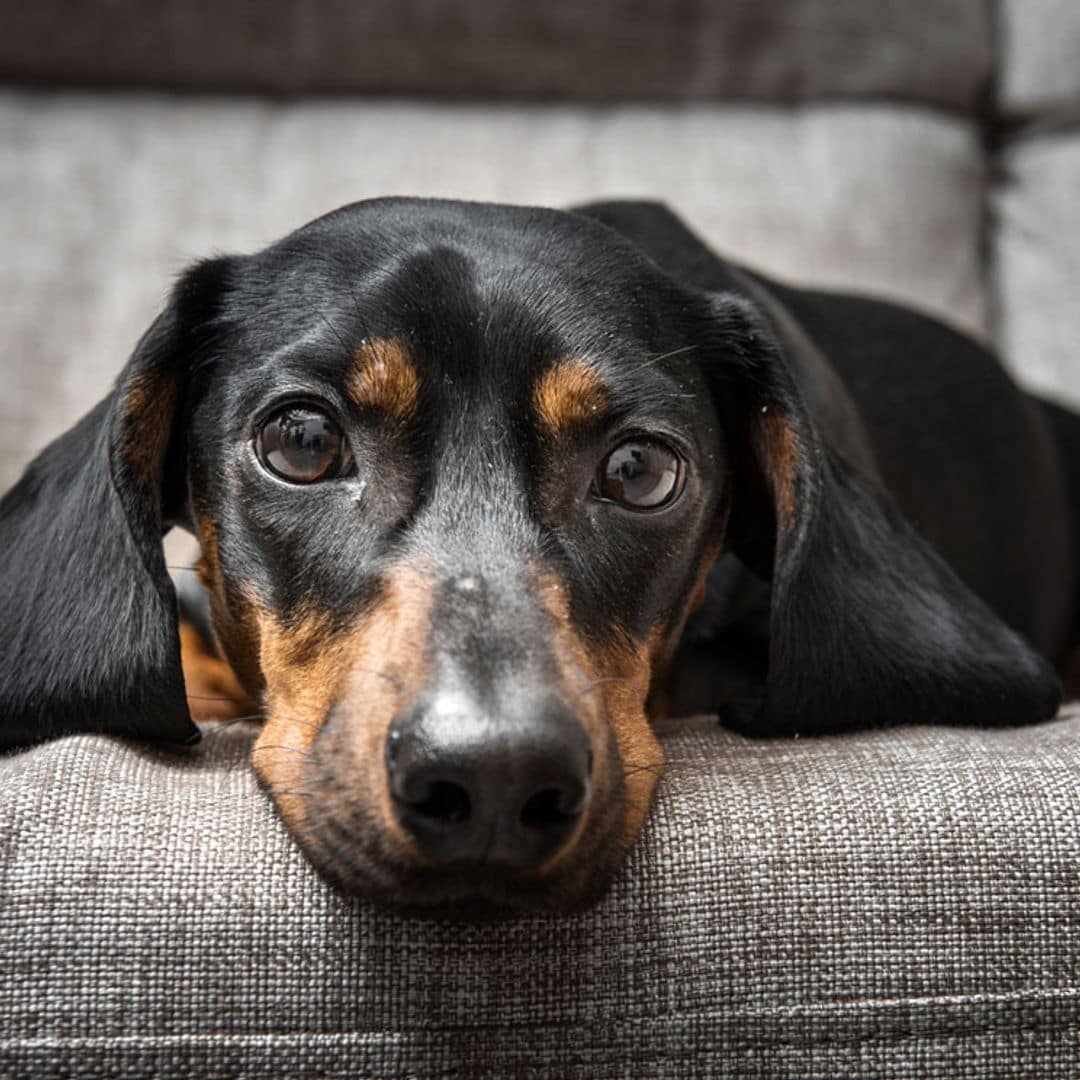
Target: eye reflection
302	445
641	474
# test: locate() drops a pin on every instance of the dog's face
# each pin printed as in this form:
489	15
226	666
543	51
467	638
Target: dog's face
457	490
459	473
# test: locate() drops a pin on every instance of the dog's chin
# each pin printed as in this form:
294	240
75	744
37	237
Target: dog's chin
465	892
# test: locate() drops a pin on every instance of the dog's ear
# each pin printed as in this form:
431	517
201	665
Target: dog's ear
868	624
88	635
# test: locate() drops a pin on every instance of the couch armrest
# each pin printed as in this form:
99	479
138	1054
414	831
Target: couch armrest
900	903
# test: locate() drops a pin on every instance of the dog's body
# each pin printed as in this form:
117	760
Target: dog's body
983	471
481	488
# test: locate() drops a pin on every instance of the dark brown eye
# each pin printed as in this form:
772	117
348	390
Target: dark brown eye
641	474
302	445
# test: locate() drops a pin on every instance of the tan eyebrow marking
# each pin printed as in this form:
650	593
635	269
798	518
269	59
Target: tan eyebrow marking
383	377
568	395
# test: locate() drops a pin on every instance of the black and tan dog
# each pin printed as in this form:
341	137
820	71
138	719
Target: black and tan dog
481	489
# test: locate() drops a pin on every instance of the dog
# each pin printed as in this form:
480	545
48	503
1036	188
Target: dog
481	491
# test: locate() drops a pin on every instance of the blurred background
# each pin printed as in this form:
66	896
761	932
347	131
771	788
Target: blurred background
927	150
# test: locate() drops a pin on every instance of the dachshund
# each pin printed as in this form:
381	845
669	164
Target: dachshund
484	491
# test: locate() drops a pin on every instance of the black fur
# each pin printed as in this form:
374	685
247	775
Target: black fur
921	476
89	636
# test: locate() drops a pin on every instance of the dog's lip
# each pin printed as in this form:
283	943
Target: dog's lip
351	850
349	858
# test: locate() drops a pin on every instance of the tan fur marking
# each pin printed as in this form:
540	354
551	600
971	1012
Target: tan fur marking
567	396
640	750
778	446
625	669
147	403
667	636
232	612
383	378
373	669
389	671
212	687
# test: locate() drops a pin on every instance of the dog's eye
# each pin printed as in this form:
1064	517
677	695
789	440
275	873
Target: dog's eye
641	474
302	445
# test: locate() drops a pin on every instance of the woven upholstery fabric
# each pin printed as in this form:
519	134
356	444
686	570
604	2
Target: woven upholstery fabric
1037	261
104	199
900	904
934	51
1039	56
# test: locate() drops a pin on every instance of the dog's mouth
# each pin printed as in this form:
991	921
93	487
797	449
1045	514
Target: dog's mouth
477	771
356	862
353	831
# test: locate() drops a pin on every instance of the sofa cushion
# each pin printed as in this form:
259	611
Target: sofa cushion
105	199
934	51
899	903
1040	56
1037	260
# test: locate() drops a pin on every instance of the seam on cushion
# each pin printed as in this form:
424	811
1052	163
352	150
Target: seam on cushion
433	1037
1061	993
841	1014
841	1011
989	119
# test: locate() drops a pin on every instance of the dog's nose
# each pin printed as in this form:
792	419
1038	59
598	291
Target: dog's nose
471	788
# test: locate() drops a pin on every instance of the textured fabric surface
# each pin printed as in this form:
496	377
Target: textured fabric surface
104	199
935	51
1039	55
1037	262
899	904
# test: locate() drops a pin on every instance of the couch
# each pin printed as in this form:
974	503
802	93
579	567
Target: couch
899	903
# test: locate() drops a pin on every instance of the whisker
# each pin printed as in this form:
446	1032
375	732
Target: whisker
656	770
601	682
213	725
333	329
216	697
233	720
299	720
218	728
652	361
674	352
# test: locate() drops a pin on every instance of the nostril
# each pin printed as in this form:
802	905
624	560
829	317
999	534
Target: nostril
444	802
552	807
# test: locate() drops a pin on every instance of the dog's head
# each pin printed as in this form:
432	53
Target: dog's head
459	474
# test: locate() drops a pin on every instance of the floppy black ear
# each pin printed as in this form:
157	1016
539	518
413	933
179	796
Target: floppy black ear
868	624
88	630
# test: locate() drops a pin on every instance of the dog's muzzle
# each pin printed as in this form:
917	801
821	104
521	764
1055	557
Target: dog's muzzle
473	788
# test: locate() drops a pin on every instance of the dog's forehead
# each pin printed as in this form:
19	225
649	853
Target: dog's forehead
464	275
457	298
400	300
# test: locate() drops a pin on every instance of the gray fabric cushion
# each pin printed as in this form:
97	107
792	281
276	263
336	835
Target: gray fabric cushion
1040	55
936	51
897	904
103	199
1037	262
